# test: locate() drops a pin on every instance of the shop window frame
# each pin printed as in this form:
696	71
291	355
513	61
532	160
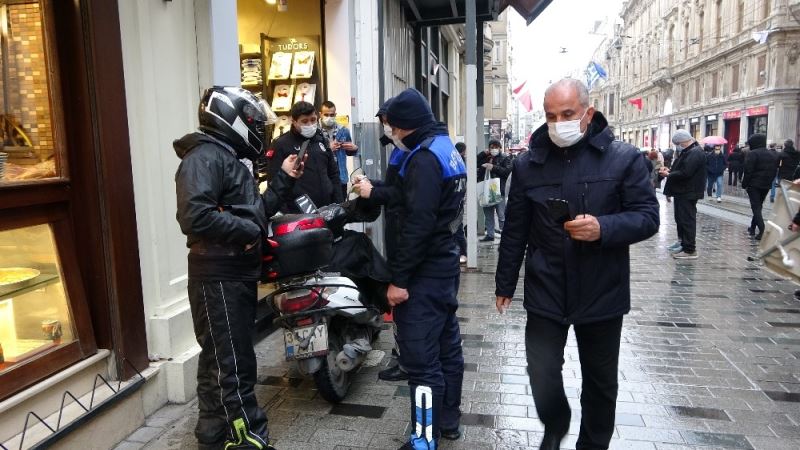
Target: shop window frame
24	192
41	366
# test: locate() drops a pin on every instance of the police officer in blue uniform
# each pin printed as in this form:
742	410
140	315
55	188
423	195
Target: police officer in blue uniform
425	269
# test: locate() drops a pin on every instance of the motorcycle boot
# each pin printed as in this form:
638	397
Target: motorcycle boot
244	439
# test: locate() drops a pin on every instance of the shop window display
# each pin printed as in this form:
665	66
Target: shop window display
34	312
27	143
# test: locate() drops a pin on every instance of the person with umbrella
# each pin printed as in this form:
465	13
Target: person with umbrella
715	168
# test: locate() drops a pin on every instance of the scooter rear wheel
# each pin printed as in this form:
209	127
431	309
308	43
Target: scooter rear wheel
331	381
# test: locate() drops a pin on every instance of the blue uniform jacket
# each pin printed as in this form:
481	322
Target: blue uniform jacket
568	281
433	185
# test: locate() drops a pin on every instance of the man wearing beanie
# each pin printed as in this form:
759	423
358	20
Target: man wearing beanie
686	181
759	172
425	269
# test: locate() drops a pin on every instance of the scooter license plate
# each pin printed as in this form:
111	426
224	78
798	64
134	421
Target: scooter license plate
306	342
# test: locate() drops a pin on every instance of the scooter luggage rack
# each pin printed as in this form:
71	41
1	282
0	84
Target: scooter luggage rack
57	433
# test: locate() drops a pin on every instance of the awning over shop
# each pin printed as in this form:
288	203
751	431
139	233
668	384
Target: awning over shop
443	12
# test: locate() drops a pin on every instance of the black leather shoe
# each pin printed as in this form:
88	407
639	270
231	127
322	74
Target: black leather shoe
751	231
451	435
486	239
394	373
551	442
797	294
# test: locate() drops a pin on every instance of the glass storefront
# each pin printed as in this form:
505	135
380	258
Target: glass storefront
27	145
757	124
712	126
34	312
281	55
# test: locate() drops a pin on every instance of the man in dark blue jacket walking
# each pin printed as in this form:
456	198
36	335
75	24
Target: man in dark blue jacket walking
425	270
715	169
577	268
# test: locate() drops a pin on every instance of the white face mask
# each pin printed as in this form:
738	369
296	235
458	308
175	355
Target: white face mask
494	151
308	131
565	134
328	122
399	143
387	131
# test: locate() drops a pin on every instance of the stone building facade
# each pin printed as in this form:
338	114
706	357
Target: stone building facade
496	89
696	64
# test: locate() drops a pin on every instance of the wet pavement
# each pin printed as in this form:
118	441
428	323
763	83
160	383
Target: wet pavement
710	358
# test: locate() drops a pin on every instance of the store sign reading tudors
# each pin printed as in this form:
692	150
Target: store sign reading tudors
292	45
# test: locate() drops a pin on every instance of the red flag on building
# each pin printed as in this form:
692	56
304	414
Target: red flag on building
637	102
518	89
523	95
526	101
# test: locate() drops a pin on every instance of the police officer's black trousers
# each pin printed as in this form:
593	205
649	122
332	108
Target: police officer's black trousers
598	346
430	347
224	322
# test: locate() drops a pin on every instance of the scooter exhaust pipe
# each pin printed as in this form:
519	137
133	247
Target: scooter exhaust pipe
352	355
345	363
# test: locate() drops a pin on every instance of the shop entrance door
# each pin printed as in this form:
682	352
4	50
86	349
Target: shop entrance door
732	133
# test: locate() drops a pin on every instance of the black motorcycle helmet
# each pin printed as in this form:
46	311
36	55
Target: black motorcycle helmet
236	116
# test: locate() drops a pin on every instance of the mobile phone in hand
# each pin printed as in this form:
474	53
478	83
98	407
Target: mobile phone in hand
558	210
300	156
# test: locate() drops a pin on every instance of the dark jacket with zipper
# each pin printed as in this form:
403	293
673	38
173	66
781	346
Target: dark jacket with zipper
501	168
568	281
715	163
320	180
760	168
221	211
687	177
432	206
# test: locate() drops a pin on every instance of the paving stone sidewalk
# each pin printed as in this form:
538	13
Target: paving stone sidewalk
710	358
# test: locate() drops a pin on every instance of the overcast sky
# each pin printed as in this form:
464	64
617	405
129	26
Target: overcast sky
536	49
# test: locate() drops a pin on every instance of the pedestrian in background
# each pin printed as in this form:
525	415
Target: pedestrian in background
760	167
339	141
735	166
788	161
658	162
668	155
686	181
577	268
499	166
771	146
715	169
461	238
425	270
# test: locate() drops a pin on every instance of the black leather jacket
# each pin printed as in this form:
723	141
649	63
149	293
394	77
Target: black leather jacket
221	211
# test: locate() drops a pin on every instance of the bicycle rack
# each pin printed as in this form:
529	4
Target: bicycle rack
58	432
